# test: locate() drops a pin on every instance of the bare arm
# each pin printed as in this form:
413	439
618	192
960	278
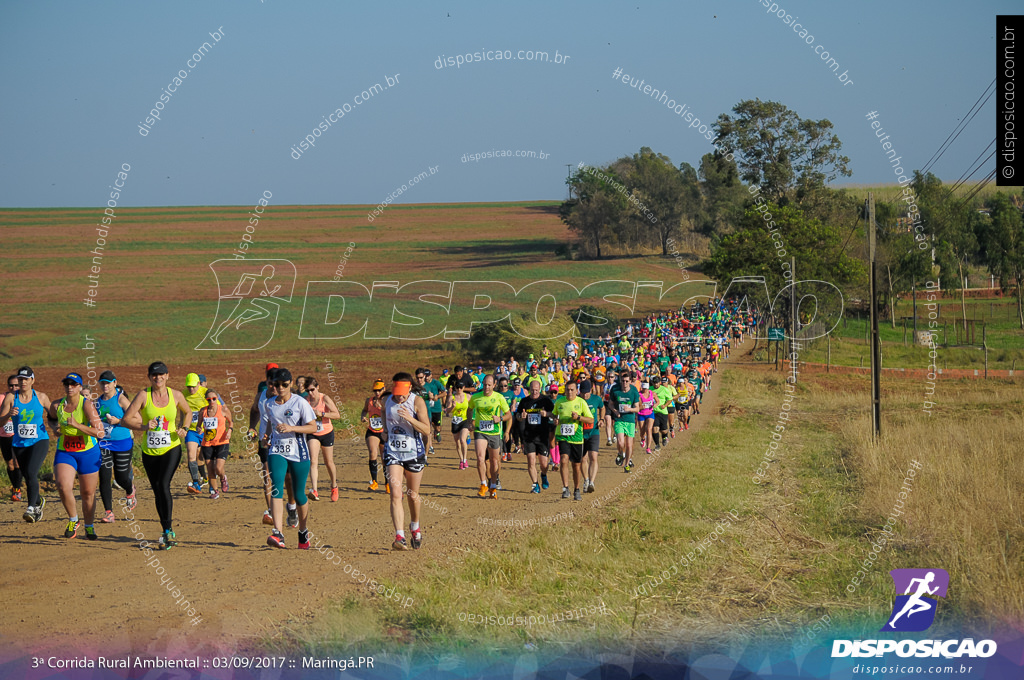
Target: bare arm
132	418
330	410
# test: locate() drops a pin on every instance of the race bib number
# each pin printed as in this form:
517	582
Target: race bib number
533	418
9	428
284	447
567	429
156	439
209	423
74	443
375	423
457	420
28	430
486	426
195	417
319	426
401	443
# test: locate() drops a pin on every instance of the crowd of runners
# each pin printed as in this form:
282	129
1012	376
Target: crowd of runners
634	389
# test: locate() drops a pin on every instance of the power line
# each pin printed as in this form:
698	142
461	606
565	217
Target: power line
975	108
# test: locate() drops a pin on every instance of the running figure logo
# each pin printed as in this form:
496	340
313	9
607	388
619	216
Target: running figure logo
250	293
914	610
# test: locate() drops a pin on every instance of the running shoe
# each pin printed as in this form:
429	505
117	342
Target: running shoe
686	426
29	515
619	458
16	496
590	487
497	485
586	483
72	529
610	442
417	539
657	448
276	540
544	482
643	442
554	467
268	518
483	491
399	543
195	487
536	488
131	500
565	492
431	449
629	466
39	508
214	494
576	495
494	493
334	494
90	533
373	486
303	540
224	484
293	517
437	436
387	488
647	450
108	517
170	540
672	434
314	495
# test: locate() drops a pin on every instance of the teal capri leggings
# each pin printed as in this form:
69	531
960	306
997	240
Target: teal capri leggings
279	467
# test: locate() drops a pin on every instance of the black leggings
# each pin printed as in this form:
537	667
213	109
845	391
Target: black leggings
7	446
159	470
116	465
30	459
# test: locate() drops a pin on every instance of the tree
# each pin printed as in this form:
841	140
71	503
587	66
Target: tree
723	194
778	150
1004	246
595	212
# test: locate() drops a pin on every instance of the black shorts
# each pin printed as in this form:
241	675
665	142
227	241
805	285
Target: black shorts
220	452
414	465
7	447
537	446
464	425
592	443
574	451
672	409
435	418
325	439
378	435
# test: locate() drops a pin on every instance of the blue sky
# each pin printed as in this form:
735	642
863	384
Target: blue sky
78	78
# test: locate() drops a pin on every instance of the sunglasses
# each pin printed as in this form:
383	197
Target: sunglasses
12	386
212	400
281	383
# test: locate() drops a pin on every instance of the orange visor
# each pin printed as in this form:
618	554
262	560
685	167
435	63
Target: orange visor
401	388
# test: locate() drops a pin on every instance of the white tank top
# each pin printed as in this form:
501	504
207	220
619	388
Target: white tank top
403	441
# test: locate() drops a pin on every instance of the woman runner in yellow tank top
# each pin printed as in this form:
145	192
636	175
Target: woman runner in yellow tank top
78	454
163	415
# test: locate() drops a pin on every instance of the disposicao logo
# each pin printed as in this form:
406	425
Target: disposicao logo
913	611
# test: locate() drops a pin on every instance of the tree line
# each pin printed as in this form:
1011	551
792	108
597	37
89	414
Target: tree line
781	165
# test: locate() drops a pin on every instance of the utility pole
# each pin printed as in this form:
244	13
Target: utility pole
568	175
876	350
793	319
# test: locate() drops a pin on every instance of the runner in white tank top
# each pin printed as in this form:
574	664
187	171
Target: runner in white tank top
405	420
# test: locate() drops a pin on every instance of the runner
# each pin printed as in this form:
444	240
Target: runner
534	417
373	415
77	455
624	402
115	446
592	434
6	445
510	399
195	395
264	391
517	427
406	422
665	395
457	406
436	391
287	418
163	414
30	439
215	424
323	439
488	410
574	416
645	417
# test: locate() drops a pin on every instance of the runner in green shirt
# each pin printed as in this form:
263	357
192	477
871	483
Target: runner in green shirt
592	434
666	395
573	416
488	410
624	402
434	395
